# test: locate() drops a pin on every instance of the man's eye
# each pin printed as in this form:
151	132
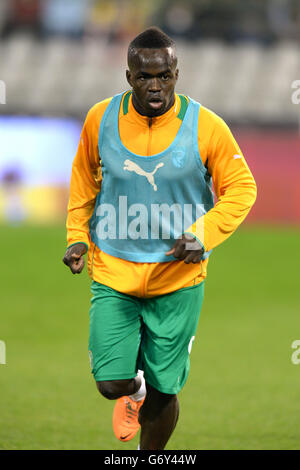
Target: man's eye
142	78
165	77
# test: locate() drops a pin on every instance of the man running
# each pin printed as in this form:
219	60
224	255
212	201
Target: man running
142	206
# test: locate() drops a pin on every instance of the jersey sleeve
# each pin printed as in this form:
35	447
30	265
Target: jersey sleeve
233	182
85	178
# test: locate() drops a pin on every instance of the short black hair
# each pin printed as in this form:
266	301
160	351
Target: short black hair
151	38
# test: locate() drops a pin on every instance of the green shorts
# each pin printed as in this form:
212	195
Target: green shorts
155	335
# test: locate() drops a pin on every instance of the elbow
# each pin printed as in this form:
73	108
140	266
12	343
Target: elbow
253	193
250	193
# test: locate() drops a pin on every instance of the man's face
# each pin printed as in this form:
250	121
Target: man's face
152	75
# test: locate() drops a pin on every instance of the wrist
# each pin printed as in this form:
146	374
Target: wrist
79	243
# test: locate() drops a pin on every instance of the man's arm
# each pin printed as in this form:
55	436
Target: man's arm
84	187
234	186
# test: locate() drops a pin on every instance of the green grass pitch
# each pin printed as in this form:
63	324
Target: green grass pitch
243	389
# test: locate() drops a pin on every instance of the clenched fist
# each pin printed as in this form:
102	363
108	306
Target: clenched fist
187	249
74	257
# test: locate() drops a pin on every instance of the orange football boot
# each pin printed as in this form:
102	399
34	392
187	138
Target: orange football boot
125	418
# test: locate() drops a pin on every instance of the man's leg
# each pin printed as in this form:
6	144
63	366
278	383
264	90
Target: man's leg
158	417
130	395
170	323
114	389
114	339
115	335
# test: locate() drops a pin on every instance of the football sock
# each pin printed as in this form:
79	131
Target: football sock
141	392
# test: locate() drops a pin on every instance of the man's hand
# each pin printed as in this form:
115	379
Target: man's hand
74	257
187	249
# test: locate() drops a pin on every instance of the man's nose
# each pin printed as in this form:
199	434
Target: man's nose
154	84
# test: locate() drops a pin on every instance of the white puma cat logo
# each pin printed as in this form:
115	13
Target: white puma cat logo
131	166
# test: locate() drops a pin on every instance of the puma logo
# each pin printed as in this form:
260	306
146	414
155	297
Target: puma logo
131	166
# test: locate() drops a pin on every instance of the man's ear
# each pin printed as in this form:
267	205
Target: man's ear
176	74
128	76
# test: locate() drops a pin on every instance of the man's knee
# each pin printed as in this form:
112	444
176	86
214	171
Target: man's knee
113	389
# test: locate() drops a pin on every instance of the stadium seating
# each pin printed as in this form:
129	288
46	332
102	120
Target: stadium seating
245	83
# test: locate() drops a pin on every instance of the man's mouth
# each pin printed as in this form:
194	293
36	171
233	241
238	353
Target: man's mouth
155	103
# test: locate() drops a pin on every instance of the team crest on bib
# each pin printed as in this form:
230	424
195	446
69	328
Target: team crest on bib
178	157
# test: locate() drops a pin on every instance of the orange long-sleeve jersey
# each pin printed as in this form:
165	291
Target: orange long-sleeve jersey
233	182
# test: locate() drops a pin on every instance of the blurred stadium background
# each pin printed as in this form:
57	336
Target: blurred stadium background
239	58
